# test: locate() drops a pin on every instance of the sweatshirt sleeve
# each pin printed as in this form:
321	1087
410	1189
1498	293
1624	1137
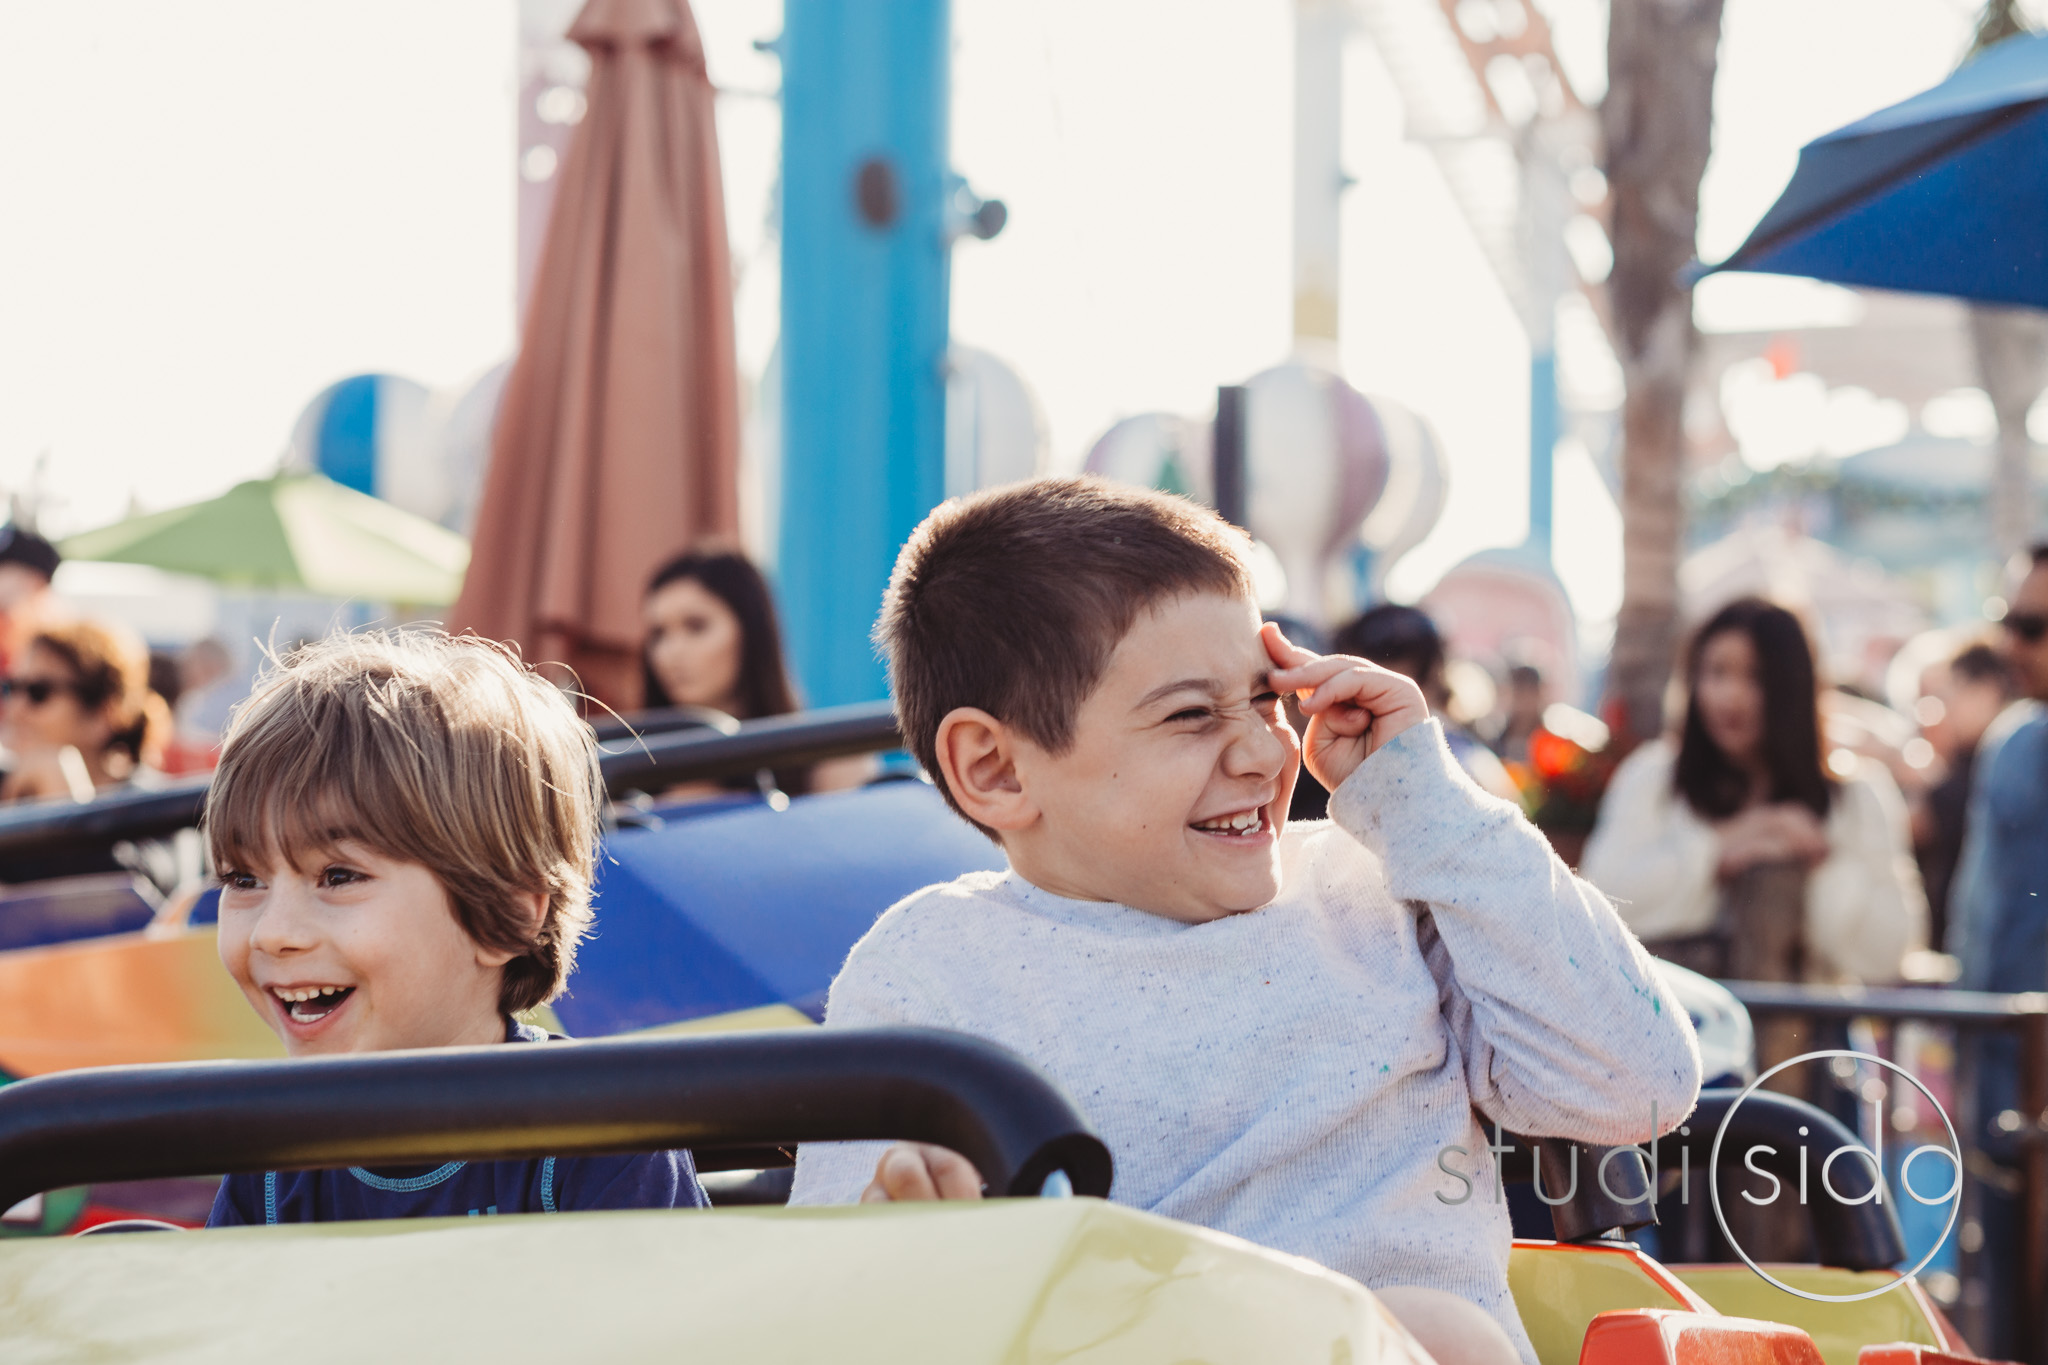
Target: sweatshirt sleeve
1564	1028
871	990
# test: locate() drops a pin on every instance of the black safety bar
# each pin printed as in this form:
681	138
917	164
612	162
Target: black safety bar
733	1099
792	741
1863	1236
1766	1130
36	832
1598	1195
663	720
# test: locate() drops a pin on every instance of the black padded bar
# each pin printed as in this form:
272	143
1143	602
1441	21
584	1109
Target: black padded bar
1855	1236
44	829
40	829
791	741
723	1092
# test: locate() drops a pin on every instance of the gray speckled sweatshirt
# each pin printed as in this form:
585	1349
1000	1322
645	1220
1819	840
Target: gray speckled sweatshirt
1292	1075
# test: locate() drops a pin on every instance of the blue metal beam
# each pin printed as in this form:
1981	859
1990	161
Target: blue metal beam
1544	429
865	93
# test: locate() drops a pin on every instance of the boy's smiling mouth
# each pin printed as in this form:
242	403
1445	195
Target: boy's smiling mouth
1243	824
310	1004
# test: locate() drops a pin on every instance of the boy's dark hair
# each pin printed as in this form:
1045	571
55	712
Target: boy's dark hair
24	547
1981	663
1393	636
1013	600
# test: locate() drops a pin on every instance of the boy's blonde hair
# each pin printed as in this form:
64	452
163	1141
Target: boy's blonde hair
429	748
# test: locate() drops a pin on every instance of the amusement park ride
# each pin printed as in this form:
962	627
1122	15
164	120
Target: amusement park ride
137	1073
141	1073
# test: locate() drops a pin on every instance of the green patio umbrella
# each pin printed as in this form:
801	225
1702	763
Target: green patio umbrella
292	533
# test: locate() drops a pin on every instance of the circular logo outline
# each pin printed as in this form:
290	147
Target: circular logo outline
1714	1168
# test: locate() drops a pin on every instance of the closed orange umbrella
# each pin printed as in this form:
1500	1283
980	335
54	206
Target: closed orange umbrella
617	441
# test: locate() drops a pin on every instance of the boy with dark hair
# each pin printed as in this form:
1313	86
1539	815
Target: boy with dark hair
28	563
405	826
1280	1031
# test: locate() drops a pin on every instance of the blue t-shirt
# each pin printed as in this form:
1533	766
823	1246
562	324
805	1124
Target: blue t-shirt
645	1180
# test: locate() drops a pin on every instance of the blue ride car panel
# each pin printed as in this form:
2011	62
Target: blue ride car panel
735	908
70	908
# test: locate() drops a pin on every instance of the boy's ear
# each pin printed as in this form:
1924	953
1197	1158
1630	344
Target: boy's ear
532	906
977	757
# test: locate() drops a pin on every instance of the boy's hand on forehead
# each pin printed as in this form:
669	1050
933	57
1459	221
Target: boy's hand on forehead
1353	706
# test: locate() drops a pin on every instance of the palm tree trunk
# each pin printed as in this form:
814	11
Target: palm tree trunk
2012	364
1657	119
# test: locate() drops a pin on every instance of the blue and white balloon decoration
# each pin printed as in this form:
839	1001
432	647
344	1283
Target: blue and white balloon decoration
372	433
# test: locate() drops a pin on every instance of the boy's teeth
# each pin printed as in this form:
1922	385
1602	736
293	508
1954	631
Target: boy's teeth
1243	821
299	993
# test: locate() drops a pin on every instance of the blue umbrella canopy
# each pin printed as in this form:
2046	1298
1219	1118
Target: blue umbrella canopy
1944	193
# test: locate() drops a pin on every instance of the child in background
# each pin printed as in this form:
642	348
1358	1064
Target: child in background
1279	1031
405	826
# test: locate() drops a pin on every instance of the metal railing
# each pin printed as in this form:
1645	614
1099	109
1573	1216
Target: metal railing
659	756
1958	1017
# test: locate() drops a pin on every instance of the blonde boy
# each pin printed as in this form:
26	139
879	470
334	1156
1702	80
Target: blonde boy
405	825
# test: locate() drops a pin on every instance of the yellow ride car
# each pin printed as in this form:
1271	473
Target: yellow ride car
1024	1277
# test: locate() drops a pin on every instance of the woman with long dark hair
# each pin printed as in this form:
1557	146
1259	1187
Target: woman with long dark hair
713	642
713	639
1747	848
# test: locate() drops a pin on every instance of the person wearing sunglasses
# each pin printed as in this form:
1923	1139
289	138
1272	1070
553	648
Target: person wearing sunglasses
77	715
1998	923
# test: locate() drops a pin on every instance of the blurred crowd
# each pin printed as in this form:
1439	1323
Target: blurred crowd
1783	829
87	708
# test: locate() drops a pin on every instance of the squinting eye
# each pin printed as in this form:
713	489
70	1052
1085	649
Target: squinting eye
1266	699
1192	713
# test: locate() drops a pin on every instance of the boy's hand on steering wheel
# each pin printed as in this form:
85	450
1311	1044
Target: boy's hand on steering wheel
1353	706
919	1170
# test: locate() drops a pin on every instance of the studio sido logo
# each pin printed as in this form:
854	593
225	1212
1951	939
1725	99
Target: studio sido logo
1848	1156
1878	1188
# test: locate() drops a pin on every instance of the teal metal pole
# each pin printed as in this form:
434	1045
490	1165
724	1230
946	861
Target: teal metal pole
865	91
1544	424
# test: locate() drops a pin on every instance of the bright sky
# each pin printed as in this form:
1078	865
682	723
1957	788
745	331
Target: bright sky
215	209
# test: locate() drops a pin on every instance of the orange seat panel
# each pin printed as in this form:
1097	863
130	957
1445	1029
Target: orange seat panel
1663	1336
